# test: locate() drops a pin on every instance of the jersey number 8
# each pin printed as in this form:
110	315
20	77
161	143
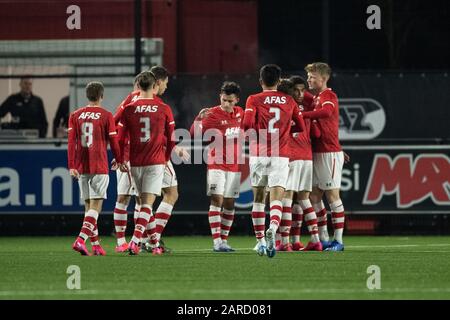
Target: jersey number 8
87	130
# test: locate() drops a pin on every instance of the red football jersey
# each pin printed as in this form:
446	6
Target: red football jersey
132	97
326	110
119	110
149	124
129	99
270	113
300	142
158	98
90	129
227	125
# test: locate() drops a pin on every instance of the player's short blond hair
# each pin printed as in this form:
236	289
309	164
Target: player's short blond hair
321	67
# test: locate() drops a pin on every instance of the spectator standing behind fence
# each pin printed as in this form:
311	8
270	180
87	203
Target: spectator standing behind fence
61	119
27	110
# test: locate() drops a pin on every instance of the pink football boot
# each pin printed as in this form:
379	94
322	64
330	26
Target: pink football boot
313	246
297	246
122	248
97	250
133	248
80	246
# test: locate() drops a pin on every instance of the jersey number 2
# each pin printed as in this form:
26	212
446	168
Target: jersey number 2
274	120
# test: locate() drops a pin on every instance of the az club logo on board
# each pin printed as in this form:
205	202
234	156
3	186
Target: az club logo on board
360	119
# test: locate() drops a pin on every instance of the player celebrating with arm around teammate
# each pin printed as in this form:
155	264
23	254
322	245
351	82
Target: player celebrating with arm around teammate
90	129
269	113
125	182
170	182
299	183
223	177
149	124
328	158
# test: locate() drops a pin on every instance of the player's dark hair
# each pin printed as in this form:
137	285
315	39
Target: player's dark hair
159	72
229	87
94	90
145	80
270	74
25	77
298	80
286	86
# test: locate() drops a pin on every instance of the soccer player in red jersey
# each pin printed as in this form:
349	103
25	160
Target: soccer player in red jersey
90	129
286	86
299	184
223	176
267	120
125	182
125	190
328	157
170	182
149	125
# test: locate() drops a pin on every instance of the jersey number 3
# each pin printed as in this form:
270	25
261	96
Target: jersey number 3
145	130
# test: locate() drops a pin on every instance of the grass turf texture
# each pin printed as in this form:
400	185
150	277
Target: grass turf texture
411	268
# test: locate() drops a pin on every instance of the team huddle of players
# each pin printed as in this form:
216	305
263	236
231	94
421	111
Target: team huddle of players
295	159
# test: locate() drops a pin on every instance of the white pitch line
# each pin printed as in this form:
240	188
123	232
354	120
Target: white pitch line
226	291
62	293
329	290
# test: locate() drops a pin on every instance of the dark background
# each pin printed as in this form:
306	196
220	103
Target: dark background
414	34
238	36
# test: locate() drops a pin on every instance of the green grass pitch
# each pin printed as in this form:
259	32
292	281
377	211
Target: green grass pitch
410	267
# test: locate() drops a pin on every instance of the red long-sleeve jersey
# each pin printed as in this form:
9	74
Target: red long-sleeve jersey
326	110
300	142
149	125
228	127
270	113
119	110
90	129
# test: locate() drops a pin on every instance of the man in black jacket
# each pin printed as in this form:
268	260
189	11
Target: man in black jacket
60	122
27	110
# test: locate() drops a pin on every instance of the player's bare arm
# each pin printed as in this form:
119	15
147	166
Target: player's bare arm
204	113
182	153
74	173
346	157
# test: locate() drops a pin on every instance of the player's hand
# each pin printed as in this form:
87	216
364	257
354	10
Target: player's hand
346	157
203	113
182	153
74	173
114	165
123	167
